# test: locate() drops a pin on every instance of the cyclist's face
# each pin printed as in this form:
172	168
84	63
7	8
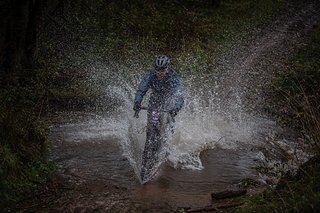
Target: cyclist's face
161	73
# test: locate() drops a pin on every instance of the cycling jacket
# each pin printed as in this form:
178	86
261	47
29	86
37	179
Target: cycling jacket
166	93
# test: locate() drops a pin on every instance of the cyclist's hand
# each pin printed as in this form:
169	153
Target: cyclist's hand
136	108
173	112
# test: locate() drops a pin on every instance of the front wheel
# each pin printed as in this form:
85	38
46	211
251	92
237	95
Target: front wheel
159	127
150	155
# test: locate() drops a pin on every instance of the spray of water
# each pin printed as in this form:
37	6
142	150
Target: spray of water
214	115
207	120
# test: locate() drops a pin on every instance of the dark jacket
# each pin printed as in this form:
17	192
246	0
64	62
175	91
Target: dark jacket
166	93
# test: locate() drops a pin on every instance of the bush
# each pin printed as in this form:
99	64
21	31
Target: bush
298	93
23	142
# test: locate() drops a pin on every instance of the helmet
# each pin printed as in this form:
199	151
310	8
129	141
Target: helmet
162	61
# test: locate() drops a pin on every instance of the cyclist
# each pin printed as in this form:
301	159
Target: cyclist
166	95
165	85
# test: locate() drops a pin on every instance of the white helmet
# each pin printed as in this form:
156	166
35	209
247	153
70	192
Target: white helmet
162	62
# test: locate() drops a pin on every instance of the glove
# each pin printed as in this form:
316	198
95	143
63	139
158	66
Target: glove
137	107
173	112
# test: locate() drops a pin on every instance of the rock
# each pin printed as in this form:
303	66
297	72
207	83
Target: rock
310	169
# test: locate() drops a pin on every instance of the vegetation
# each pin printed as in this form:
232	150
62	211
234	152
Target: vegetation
295	101
23	137
153	26
297	94
299	193
124	32
23	141
37	72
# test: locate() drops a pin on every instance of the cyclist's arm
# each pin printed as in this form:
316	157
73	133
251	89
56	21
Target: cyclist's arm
143	88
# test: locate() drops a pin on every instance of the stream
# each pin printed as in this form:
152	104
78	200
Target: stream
88	147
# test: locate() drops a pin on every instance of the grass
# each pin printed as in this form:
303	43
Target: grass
295	101
297	94
299	193
23	140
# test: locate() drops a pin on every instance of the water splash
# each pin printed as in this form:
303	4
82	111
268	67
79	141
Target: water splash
209	118
217	101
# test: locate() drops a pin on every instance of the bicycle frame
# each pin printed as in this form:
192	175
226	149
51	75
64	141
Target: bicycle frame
159	126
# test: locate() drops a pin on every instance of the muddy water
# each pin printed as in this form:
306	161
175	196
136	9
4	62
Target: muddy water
222	168
86	151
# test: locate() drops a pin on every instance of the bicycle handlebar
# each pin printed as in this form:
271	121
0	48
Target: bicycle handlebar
136	114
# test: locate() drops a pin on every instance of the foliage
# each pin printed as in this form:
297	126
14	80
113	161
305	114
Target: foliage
299	193
23	138
129	32
295	100
122	27
297	91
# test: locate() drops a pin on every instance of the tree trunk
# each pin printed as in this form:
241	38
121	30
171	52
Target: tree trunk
35	21
15	27
20	21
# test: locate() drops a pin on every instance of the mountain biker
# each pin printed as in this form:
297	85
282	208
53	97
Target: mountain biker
165	85
166	96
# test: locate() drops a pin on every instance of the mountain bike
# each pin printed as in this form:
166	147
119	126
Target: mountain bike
158	134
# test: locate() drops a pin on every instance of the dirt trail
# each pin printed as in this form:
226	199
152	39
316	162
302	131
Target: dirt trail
250	63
